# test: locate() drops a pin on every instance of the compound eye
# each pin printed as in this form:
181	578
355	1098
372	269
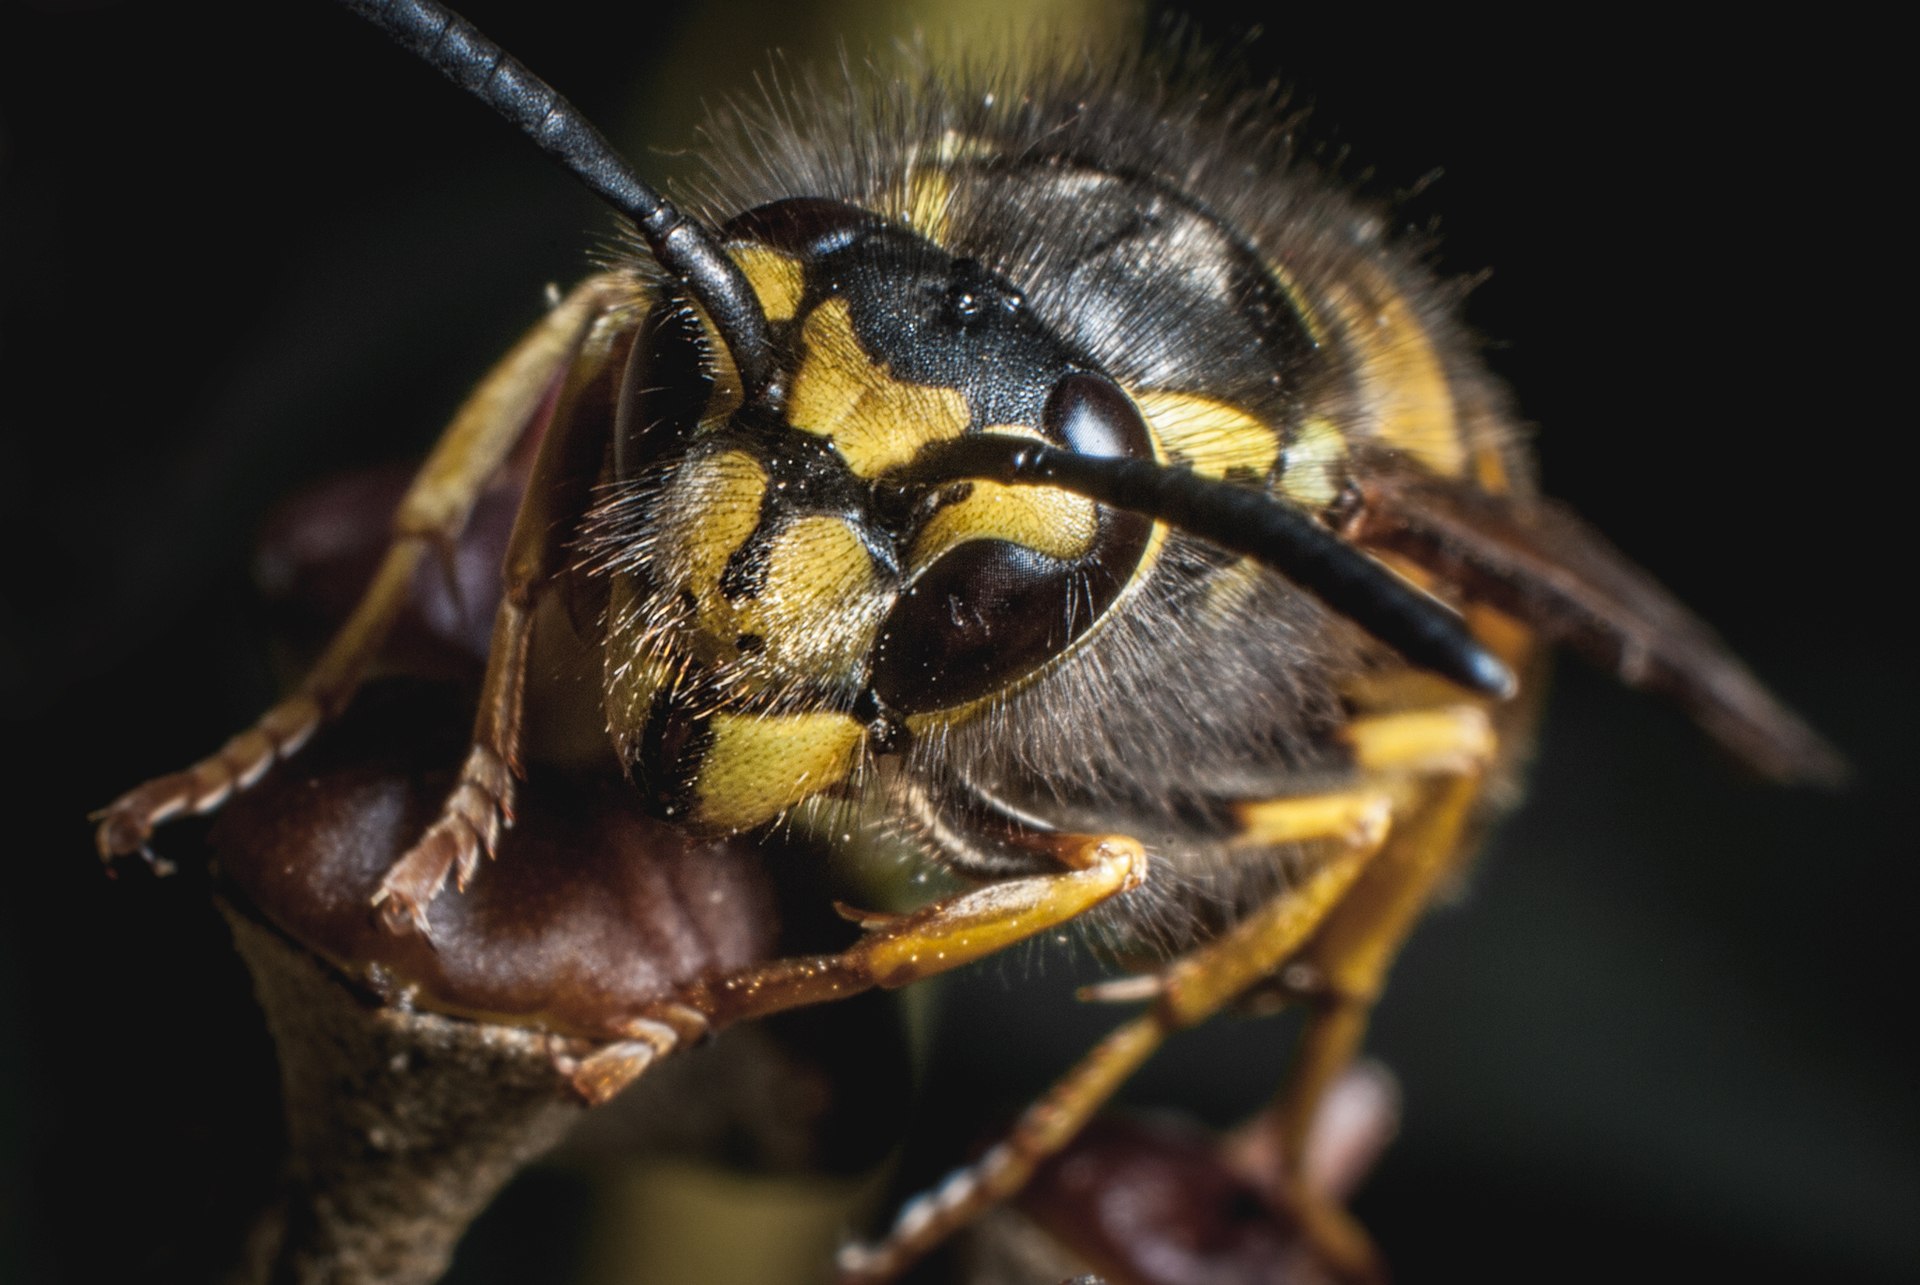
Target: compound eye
1021	573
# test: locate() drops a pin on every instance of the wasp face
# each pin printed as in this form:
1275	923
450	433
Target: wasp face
786	599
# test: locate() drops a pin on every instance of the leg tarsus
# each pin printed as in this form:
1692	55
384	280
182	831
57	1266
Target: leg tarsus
604	1072
1046	1127
478	443
126	824
412	882
480	805
468	828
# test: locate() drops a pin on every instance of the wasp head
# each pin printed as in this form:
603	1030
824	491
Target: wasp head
787	600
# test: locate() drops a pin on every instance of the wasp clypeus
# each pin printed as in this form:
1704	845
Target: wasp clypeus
1041	472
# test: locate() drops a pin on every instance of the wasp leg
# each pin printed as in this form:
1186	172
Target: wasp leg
1397	758
1191	990
515	397
601	1074
480	804
902	949
1436	757
897	950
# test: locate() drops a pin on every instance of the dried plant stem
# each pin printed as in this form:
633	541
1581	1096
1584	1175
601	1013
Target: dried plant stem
401	1125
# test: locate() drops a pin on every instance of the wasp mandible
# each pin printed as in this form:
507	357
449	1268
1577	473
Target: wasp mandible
1043	470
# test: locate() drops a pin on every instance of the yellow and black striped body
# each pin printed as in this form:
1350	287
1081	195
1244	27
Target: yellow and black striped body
995	661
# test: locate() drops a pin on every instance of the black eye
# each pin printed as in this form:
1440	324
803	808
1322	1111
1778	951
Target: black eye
993	609
663	392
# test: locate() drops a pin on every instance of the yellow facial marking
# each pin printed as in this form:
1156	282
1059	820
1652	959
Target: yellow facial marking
1213	437
1315	460
1048	521
816	608
777	278
718	502
876	422
1400	376
759	765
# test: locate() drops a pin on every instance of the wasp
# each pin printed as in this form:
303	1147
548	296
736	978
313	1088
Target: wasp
1042	473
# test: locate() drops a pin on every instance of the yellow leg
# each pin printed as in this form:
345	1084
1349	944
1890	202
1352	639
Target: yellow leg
434	511
1348	957
1397	756
1191	990
646	1038
898	950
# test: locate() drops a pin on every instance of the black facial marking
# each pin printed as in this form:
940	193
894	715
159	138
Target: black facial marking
671	748
974	294
942	322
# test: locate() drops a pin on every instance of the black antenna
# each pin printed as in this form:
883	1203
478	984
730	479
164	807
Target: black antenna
687	251
1242	520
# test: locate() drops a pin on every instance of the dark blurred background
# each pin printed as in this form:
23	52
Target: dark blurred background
246	246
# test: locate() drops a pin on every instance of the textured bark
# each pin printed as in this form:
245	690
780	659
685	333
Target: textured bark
402	1125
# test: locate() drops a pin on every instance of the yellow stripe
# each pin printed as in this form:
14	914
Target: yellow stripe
1210	435
816	609
777	278
1047	521
1316	463
717	500
759	765
875	422
1402	383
